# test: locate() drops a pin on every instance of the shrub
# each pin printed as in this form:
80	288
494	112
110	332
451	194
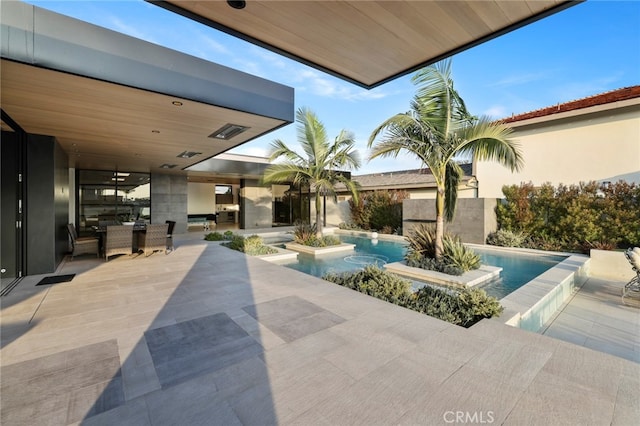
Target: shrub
378	210
567	217
305	234
460	307
421	253
228	235
506	238
375	282
459	255
415	260
422	240
252	245
214	236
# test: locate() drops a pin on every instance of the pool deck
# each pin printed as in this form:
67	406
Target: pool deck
206	335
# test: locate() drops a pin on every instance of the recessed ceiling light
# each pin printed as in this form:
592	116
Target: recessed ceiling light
177	103
188	154
228	131
117	179
168	166
237	4
119	174
155	131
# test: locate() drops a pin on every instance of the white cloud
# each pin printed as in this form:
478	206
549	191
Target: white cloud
520	79
320	84
496	111
209	44
118	25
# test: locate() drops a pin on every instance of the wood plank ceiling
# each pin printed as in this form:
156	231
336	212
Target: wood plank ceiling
107	126
367	42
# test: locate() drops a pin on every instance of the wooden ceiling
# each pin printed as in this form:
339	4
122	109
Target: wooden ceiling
113	127
367	42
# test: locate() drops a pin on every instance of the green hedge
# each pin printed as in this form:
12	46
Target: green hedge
461	307
379	210
574	217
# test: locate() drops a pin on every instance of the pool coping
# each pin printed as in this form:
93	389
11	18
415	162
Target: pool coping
469	279
319	251
532	305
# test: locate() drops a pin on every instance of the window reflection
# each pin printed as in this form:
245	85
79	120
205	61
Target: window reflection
108	197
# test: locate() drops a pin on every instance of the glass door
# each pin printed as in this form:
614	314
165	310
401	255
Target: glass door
110	197
11	250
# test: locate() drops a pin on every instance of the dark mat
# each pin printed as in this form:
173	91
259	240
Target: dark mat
56	279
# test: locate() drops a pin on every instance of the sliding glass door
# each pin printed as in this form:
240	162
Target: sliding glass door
107	197
11	250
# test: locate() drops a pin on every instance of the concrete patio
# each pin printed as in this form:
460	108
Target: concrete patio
206	335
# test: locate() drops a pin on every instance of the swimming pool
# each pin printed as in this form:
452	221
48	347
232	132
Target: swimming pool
518	268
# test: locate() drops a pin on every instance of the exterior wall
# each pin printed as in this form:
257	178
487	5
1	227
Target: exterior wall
603	146
336	212
610	265
430	194
47	204
255	205
475	217
169	199
201	198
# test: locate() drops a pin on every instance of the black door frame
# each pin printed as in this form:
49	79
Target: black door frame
21	203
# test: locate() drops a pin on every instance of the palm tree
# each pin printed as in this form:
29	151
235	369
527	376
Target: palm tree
321	165
437	129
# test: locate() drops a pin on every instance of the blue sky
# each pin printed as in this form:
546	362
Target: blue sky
590	48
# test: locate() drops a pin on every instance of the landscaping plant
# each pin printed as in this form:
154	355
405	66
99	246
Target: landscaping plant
421	253
571	217
463	307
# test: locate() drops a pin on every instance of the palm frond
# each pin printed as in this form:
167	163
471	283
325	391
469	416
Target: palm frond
490	141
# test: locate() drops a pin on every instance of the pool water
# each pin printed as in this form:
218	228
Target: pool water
518	269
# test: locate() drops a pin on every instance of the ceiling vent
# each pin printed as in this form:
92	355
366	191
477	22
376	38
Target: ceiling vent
228	131
188	154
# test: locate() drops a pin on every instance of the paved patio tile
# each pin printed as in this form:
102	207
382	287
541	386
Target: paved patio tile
165	340
69	384
190	348
292	318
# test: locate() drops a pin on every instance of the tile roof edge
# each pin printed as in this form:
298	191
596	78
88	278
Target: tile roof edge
611	96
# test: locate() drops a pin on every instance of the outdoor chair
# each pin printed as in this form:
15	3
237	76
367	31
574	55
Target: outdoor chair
119	240
172	225
633	286
154	239
82	245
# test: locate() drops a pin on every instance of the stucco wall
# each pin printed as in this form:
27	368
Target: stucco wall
336	212
602	146
201	198
256	205
475	217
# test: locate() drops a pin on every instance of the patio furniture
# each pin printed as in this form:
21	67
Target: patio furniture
119	240
154	239
172	224
632	288
82	245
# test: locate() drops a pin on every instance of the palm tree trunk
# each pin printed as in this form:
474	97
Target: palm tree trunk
318	216
439	223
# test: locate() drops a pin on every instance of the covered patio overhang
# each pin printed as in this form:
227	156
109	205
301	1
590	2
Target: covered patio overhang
114	102
367	43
